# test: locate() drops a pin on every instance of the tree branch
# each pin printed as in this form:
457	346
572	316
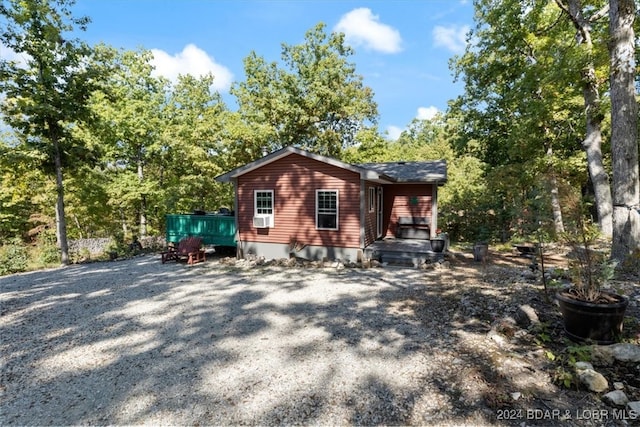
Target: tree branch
600	14
563	7
574	12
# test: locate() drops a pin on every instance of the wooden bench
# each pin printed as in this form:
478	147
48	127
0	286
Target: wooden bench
189	248
413	227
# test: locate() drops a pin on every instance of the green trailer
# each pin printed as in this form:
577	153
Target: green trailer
215	230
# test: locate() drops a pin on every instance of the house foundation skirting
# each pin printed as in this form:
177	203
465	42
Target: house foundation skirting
281	250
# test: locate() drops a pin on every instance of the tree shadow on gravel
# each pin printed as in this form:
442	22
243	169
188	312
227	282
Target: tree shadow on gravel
81	344
138	342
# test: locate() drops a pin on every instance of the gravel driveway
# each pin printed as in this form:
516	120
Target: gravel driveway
139	342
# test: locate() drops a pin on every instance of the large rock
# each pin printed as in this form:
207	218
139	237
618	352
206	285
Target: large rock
605	355
593	380
526	316
634	407
625	352
616	398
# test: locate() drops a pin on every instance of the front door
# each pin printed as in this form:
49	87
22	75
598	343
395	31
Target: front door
379	215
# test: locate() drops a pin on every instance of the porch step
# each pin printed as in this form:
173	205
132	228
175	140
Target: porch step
406	252
398	258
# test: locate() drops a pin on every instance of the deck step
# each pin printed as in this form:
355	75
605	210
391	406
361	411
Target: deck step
396	258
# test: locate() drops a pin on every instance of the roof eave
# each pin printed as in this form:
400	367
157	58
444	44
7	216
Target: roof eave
428	180
373	176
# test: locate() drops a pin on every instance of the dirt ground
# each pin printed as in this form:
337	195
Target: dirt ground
549	341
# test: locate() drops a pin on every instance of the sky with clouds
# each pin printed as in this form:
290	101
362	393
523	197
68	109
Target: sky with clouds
402	47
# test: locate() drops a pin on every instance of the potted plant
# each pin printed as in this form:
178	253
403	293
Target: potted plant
438	243
589	311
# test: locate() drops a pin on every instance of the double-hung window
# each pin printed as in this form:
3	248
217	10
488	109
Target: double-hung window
327	209
263	205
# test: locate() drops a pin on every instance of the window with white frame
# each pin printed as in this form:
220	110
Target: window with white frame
327	209
372	199
263	204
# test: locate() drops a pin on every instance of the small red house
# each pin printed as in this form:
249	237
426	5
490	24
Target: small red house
295	201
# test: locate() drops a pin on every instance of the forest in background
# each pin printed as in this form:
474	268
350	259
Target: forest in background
94	145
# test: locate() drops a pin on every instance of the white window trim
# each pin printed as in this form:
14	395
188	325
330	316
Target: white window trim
337	208
372	199
273	206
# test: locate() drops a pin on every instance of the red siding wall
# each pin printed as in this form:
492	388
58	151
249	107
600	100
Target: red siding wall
397	199
294	180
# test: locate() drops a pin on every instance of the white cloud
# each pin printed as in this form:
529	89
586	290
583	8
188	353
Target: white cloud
453	37
394	132
192	60
427	113
362	28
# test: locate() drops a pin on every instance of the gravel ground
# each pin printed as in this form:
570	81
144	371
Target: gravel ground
139	342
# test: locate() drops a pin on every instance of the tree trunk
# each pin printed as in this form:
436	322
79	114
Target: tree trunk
143	203
592	143
624	131
125	229
61	222
143	216
77	221
558	223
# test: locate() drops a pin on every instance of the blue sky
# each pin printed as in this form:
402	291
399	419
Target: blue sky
402	47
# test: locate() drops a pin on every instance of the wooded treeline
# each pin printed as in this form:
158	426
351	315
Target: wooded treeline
96	145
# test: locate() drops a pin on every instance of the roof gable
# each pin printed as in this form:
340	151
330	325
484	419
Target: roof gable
286	151
378	172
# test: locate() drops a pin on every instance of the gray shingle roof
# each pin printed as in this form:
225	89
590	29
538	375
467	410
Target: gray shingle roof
418	172
432	171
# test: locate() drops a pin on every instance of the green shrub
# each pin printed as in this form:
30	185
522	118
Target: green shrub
117	247
13	257
47	250
83	255
564	371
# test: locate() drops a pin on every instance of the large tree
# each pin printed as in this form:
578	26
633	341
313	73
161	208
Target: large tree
313	99
584	18
624	131
46	97
19	174
195	146
520	108
130	109
163	141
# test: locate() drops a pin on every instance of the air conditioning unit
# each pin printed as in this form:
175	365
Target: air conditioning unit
262	221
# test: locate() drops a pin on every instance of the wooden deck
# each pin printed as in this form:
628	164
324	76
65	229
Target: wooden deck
411	252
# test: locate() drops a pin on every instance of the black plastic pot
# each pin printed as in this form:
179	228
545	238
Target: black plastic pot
437	245
599	323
